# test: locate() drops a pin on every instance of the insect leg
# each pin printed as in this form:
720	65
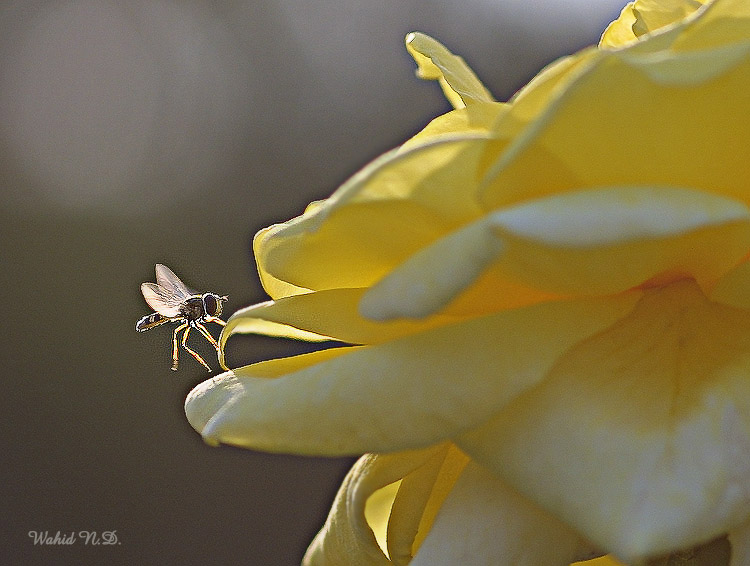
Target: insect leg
192	353
216	320
203	330
174	344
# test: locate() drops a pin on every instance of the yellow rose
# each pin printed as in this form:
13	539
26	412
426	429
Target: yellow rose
544	311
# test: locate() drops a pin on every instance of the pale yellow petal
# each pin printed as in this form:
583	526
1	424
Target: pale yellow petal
652	15
346	538
378	513
601	561
459	83
533	98
484	522
620	32
607	240
589	242
331	314
734	288
433	276
640	436
420	496
382	215
479	118
411	392
723	22
646	17
637	119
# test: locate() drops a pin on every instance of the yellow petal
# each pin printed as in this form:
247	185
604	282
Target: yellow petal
620	32
635	121
723	22
589	242
483	522
459	83
533	98
601	561
478	118
420	496
640	436
378	512
433	276
411	392
734	287
644	17
605	241
346	538
382	215
301	317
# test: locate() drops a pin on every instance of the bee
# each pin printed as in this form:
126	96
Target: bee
173	301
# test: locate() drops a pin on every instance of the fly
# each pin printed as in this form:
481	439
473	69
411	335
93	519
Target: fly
174	302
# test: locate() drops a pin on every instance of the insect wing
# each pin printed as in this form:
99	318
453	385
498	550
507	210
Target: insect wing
169	282
162	300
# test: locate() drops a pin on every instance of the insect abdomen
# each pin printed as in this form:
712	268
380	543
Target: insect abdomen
149	321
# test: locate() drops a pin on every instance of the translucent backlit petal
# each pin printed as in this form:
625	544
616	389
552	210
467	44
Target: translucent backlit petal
299	317
640	436
433	276
620	32
607	240
723	22
346	538
483	522
459	83
533	98
589	242
420	496
648	129
601	561
378	513
646	16
381	216
734	287
478	118
403	394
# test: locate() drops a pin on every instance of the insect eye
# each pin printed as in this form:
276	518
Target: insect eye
211	305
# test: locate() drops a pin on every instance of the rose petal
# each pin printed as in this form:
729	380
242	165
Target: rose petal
639	437
646	16
346	538
433	276
459	83
633	126
607	240
722	22
419	498
607	560
382	215
598	241
479	118
483	522
533	99
734	288
299	317
403	394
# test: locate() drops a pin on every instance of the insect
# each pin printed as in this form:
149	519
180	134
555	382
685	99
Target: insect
174	302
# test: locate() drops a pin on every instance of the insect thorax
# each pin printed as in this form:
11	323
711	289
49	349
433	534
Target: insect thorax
192	308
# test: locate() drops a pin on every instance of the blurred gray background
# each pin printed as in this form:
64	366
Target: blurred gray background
152	131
